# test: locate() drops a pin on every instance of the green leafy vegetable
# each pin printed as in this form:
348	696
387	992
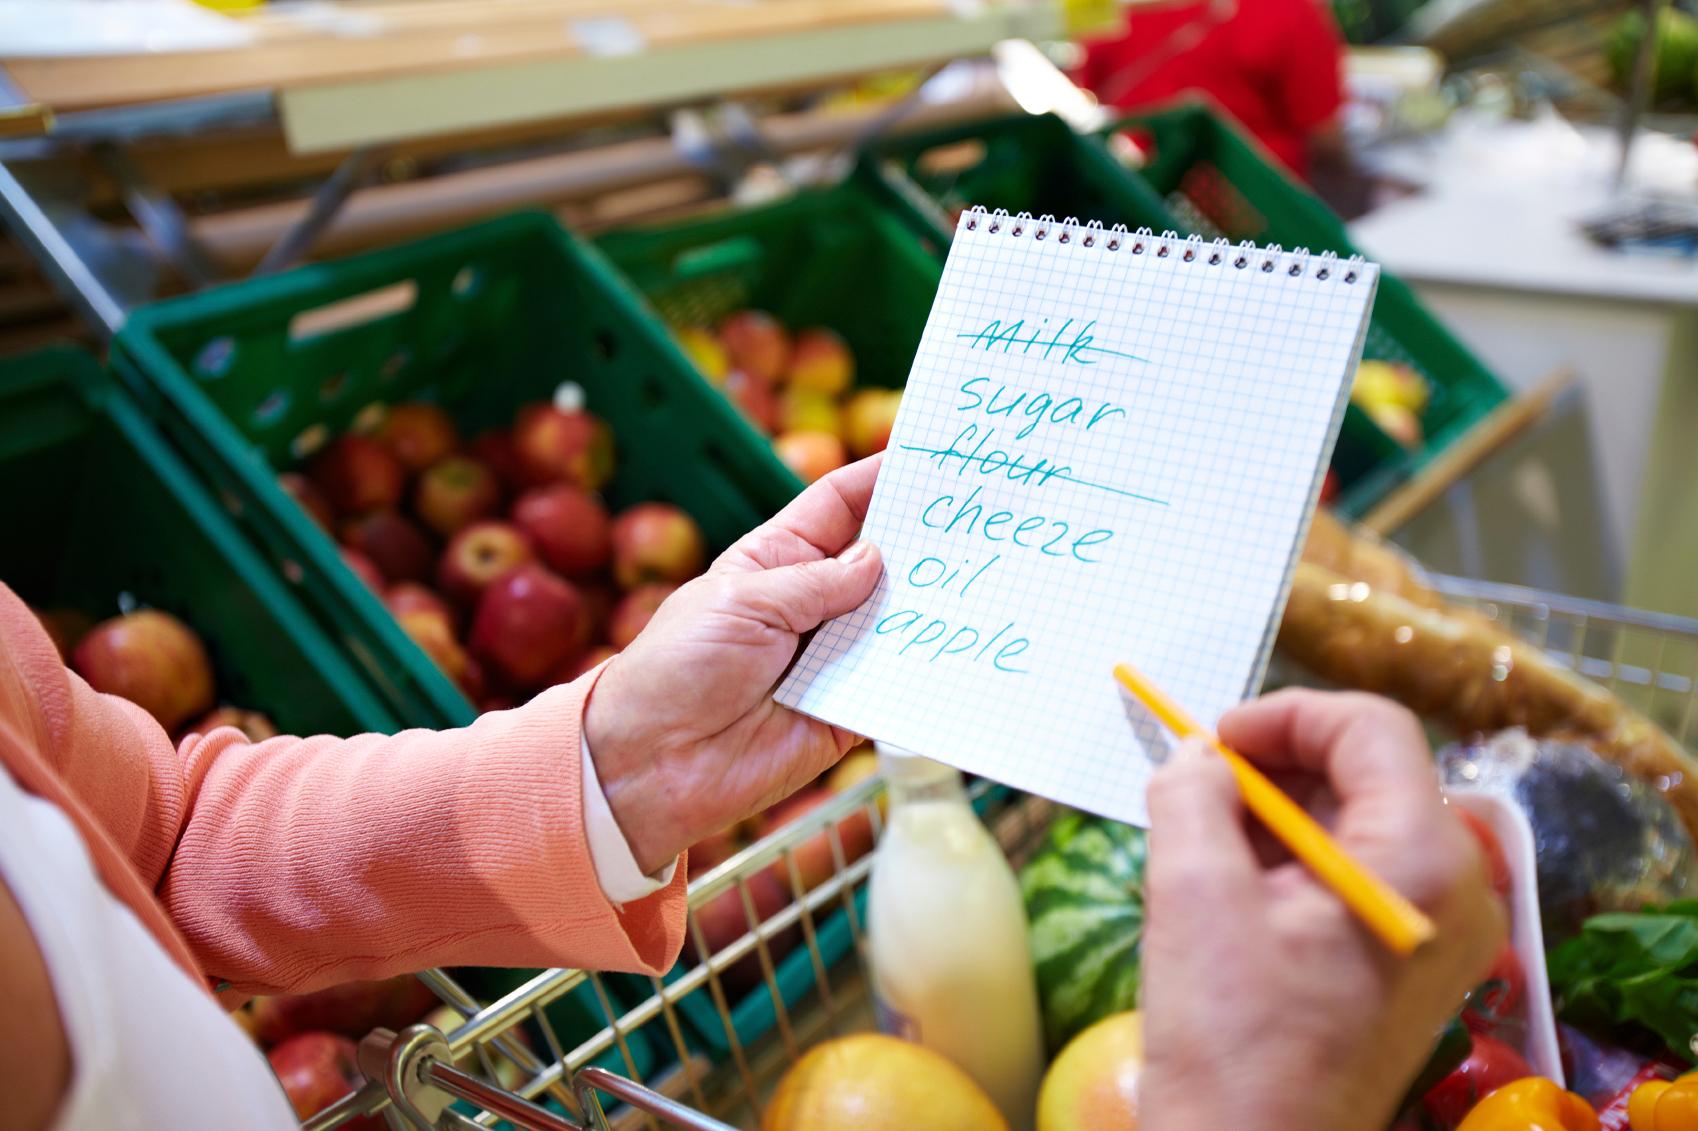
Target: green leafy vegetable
1633	968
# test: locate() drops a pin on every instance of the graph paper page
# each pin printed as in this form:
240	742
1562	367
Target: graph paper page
1101	456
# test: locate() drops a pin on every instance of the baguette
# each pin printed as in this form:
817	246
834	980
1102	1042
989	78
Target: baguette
1469	674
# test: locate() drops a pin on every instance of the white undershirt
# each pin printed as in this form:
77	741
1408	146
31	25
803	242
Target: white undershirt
149	1048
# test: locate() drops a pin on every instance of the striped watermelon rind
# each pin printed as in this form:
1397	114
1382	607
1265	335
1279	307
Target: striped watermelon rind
1084	894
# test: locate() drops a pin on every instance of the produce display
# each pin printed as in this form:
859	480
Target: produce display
498	556
797	389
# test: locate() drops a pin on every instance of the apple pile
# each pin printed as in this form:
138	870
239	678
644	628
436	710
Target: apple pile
156	662
499	557
309	1039
795	388
722	919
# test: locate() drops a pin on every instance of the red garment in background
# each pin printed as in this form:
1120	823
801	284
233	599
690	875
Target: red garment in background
1275	65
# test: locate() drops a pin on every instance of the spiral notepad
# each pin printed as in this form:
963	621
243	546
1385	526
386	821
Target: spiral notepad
1108	449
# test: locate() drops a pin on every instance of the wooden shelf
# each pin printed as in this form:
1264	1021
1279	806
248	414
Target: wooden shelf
385	70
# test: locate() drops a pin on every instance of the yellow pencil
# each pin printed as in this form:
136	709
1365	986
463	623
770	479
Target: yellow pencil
1397	922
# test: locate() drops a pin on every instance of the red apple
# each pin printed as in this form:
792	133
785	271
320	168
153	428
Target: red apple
474	682
757	344
814	860
363	568
551	445
255	727
478	555
599	600
494	449
454	492
820	362
395	545
754	398
526	625
634	611
867	419
810	454
308	497
358	475
569	527
65	627
580	666
411	597
701	347
352	1009
418	434
152	659
316	1070
724	920
434	634
656	542
802	411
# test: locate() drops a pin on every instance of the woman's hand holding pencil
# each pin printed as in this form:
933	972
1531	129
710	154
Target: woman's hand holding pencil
1267	1004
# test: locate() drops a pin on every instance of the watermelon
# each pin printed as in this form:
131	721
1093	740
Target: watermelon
1084	893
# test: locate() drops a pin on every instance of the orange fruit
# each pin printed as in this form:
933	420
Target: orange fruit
871	1082
1093	1084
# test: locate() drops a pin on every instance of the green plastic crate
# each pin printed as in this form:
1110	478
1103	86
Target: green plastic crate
1218	183
247	378
104	515
835	257
1039	164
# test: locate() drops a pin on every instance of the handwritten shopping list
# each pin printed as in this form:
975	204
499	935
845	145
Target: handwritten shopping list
1102	455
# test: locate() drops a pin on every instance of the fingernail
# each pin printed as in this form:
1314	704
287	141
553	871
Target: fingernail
857	553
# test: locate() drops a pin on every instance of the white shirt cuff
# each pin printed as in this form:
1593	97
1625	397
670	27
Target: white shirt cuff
615	865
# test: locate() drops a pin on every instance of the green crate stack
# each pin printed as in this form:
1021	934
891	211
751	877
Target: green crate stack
105	517
248	378
1039	164
1218	183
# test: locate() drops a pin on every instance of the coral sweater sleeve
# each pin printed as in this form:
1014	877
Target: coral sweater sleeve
296	863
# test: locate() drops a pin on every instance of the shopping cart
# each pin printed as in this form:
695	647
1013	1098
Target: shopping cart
423	1078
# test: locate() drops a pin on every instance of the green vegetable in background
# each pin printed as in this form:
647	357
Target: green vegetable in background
1674	59
1633	968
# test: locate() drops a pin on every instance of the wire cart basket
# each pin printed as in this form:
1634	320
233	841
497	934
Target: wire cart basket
423	1078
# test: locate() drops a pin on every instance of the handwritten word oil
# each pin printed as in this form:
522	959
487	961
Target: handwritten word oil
947	933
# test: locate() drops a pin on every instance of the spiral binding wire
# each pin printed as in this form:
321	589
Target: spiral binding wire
1322	265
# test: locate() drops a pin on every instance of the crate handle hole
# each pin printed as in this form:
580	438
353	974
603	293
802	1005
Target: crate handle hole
394	364
653	392
215	357
333	387
357	310
951	157
468	280
272	408
606	344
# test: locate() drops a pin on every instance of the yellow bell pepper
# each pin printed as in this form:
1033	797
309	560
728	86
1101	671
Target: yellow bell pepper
1532	1103
1665	1105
